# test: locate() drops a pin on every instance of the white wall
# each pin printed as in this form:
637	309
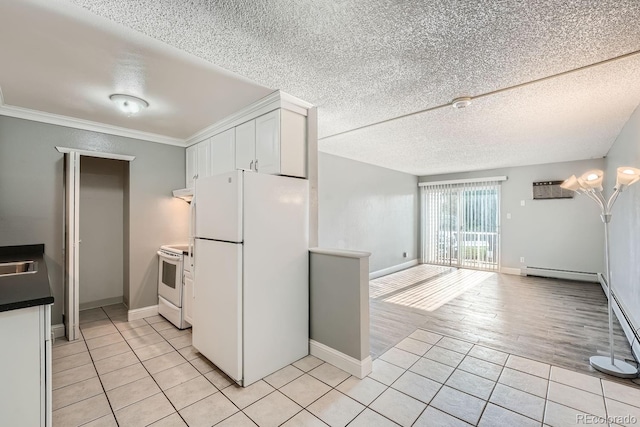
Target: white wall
625	224
368	208
102	213
564	234
31	199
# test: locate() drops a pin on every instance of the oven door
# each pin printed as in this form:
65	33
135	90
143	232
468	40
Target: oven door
170	277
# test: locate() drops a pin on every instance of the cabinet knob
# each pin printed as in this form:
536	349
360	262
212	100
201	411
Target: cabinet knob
251	165
256	165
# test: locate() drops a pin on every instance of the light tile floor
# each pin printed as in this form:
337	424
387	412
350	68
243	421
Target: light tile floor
146	373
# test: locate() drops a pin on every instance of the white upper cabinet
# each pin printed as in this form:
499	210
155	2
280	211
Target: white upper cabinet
268	143
269	137
223	152
274	143
293	144
246	145
192	165
203	159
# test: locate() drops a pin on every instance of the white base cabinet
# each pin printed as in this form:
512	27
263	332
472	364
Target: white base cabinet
187	297
25	367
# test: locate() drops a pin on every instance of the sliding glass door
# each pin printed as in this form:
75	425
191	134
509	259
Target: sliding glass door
461	224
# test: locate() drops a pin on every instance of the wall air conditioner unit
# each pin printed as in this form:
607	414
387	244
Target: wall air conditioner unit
551	190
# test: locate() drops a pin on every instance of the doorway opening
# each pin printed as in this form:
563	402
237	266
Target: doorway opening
461	224
102	219
96	233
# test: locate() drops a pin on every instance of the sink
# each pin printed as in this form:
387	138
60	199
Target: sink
18	267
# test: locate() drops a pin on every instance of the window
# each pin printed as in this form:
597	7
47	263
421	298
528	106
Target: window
461	224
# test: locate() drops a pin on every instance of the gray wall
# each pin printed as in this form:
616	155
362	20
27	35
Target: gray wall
625	224
564	234
368	208
31	195
101	230
339	301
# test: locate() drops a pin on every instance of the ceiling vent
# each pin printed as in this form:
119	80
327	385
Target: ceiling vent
550	190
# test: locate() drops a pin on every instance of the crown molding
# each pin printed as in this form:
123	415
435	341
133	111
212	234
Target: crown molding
59	120
274	100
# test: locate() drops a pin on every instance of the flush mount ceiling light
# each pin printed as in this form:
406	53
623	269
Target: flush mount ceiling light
129	104
460	103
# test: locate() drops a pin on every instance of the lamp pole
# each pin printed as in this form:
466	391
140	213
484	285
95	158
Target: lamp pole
590	184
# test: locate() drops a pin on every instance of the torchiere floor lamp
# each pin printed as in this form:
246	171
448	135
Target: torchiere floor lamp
590	184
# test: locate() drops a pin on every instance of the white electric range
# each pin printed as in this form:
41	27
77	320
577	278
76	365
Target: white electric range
173	260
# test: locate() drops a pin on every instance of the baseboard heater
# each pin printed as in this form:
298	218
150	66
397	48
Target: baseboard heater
631	331
560	274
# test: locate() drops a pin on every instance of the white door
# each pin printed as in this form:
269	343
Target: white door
246	145
192	165
217	311
218	207
203	159
71	245
268	143
223	152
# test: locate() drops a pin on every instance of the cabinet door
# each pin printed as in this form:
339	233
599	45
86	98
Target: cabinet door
204	158
268	143
21	361
223	152
246	145
192	165
293	144
187	303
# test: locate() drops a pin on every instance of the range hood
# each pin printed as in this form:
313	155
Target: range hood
185	194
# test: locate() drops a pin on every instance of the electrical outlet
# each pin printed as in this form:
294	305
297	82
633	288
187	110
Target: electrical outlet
521	202
522	259
508	215
404	255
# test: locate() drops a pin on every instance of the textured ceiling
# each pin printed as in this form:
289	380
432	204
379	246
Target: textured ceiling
362	62
67	61
575	116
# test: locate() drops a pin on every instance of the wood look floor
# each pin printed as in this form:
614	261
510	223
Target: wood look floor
554	321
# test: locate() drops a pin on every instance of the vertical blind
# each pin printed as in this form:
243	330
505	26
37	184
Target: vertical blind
461	224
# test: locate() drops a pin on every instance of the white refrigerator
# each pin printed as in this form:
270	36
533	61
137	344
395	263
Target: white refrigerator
251	272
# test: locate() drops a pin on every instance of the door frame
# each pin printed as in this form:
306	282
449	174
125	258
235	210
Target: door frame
70	233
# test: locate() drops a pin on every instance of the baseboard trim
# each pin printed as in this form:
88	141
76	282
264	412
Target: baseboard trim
353	366
560	274
101	303
393	269
627	328
58	330
509	270
141	313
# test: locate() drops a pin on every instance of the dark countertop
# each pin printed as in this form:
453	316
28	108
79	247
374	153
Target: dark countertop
24	290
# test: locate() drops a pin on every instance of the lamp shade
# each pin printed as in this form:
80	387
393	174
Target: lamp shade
592	179
571	183
627	175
